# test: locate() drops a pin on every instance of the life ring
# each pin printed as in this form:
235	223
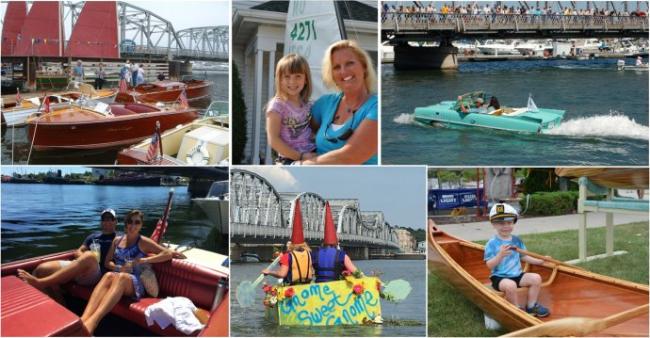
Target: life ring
199	155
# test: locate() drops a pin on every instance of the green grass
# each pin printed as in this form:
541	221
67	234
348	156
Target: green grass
450	314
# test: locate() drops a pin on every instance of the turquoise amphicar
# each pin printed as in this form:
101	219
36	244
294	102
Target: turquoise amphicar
469	111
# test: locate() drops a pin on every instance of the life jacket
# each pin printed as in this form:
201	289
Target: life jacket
328	263
300	268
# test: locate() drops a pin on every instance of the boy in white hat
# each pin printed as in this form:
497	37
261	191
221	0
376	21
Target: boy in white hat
504	261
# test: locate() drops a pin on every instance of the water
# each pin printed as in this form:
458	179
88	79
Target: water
18	152
405	319
606	120
39	219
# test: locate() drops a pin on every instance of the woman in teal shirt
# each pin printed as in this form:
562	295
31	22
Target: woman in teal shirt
346	121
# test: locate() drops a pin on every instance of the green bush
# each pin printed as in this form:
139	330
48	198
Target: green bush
552	203
238	118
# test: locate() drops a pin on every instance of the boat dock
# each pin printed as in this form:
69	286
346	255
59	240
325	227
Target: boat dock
489	58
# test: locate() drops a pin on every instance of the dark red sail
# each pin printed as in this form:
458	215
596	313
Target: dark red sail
42	31
95	32
13	22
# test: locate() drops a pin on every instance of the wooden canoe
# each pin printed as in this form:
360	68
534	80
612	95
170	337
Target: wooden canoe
566	291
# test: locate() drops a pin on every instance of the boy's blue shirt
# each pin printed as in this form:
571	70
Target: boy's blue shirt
510	266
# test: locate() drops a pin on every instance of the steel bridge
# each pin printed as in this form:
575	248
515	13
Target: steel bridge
403	27
259	214
143	34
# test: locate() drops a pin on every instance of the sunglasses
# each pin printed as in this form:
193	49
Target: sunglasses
136	222
503	220
343	137
106	219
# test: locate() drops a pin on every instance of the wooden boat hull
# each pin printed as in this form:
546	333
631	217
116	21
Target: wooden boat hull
196	91
570	292
75	129
326	304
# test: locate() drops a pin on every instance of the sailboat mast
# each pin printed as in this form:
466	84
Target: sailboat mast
339	18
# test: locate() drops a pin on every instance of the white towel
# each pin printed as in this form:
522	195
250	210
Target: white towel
178	311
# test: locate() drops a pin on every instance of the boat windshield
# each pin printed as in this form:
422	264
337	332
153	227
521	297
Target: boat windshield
94	105
217	108
218	189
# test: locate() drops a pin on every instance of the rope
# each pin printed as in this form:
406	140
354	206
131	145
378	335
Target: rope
13	127
31	146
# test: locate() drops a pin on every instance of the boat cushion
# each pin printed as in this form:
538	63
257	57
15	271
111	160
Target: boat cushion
23	305
176	278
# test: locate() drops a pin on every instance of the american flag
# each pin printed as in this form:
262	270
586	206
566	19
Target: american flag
183	99
18	97
152	152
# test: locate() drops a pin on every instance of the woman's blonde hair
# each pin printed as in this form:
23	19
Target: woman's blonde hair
292	64
370	77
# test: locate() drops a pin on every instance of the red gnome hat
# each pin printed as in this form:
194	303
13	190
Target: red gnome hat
297	236
330	230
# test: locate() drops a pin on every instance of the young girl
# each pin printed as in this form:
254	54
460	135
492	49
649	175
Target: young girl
288	113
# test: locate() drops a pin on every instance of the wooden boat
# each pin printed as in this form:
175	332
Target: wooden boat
201	277
17	113
167	91
352	301
96	125
567	291
201	142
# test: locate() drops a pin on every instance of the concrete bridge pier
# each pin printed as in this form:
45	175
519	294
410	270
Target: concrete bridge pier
358	253
179	68
409	57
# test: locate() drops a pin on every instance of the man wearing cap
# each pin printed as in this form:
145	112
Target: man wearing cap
295	264
329	260
504	260
85	269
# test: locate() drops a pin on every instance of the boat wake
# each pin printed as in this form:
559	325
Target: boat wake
614	125
405	119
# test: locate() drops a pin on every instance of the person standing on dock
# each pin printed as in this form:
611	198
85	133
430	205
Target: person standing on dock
78	71
125	76
100	76
329	260
134	74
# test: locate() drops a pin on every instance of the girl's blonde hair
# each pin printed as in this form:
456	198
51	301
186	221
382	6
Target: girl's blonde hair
292	64
370	78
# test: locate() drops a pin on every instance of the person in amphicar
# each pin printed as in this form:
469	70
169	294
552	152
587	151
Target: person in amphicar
463	108
504	260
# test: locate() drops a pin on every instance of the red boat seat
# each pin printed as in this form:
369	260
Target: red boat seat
176	278
139	108
119	110
26	311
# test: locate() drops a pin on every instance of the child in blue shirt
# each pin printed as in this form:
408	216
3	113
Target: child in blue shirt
504	261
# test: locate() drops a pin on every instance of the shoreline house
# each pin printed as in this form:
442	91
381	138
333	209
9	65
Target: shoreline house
258	43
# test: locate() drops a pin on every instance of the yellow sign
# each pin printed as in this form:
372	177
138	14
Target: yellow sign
344	302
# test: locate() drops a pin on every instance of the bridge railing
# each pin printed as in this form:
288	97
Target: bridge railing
517	22
174	52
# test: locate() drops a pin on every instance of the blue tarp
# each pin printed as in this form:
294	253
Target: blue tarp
440	199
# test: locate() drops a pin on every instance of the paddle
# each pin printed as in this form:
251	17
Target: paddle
548	259
578	326
397	290
246	289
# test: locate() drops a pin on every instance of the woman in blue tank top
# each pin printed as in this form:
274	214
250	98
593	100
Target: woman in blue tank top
123	259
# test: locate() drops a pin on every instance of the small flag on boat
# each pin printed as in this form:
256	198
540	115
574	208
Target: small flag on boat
152	152
532	107
46	104
123	86
18	97
183	99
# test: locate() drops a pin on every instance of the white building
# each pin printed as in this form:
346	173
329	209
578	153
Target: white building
422	246
258	42
407	243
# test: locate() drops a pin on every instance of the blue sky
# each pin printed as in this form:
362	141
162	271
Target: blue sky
182	14
400	192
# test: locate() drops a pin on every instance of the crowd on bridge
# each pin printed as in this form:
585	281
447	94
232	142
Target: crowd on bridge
496	9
